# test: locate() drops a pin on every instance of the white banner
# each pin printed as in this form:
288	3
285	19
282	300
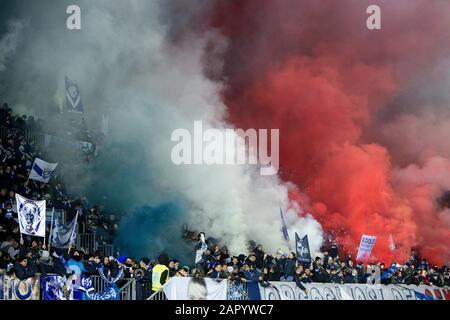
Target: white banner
42	171
31	216
365	247
195	289
319	291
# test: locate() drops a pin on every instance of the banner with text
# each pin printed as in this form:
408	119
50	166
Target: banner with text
318	291
12	288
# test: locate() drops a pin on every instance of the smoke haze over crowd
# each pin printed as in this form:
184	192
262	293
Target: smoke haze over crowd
363	115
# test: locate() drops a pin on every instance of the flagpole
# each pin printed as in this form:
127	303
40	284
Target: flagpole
73	231
51	230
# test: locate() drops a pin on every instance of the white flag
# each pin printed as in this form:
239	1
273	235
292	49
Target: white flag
31	216
365	247
42	171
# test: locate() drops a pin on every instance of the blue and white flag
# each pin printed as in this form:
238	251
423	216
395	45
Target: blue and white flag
365	247
31	216
63	236
389	272
283	227
302	249
42	171
73	97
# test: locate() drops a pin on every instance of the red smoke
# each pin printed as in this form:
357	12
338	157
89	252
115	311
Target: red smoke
339	93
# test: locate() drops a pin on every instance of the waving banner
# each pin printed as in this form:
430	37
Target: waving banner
31	216
318	291
365	247
42	170
73	97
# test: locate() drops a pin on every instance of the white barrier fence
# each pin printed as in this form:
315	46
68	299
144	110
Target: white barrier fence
318	291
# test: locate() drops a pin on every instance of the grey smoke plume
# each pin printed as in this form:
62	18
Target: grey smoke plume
149	86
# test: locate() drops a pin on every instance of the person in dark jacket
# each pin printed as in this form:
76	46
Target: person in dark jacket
24	271
306	276
274	275
289	268
348	276
250	274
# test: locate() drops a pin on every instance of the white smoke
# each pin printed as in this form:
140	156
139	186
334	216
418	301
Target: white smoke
150	87
10	41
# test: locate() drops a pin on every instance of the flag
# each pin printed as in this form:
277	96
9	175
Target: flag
389	272
284	228
391	243
63	236
73	97
31	216
365	247
302	249
42	171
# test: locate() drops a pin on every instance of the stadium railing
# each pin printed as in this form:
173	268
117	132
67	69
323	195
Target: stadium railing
86	241
107	249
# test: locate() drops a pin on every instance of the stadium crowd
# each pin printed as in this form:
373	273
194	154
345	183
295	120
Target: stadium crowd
27	256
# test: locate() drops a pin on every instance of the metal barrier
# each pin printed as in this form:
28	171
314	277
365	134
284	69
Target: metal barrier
128	290
87	242
237	291
158	296
16	133
106	249
143	289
